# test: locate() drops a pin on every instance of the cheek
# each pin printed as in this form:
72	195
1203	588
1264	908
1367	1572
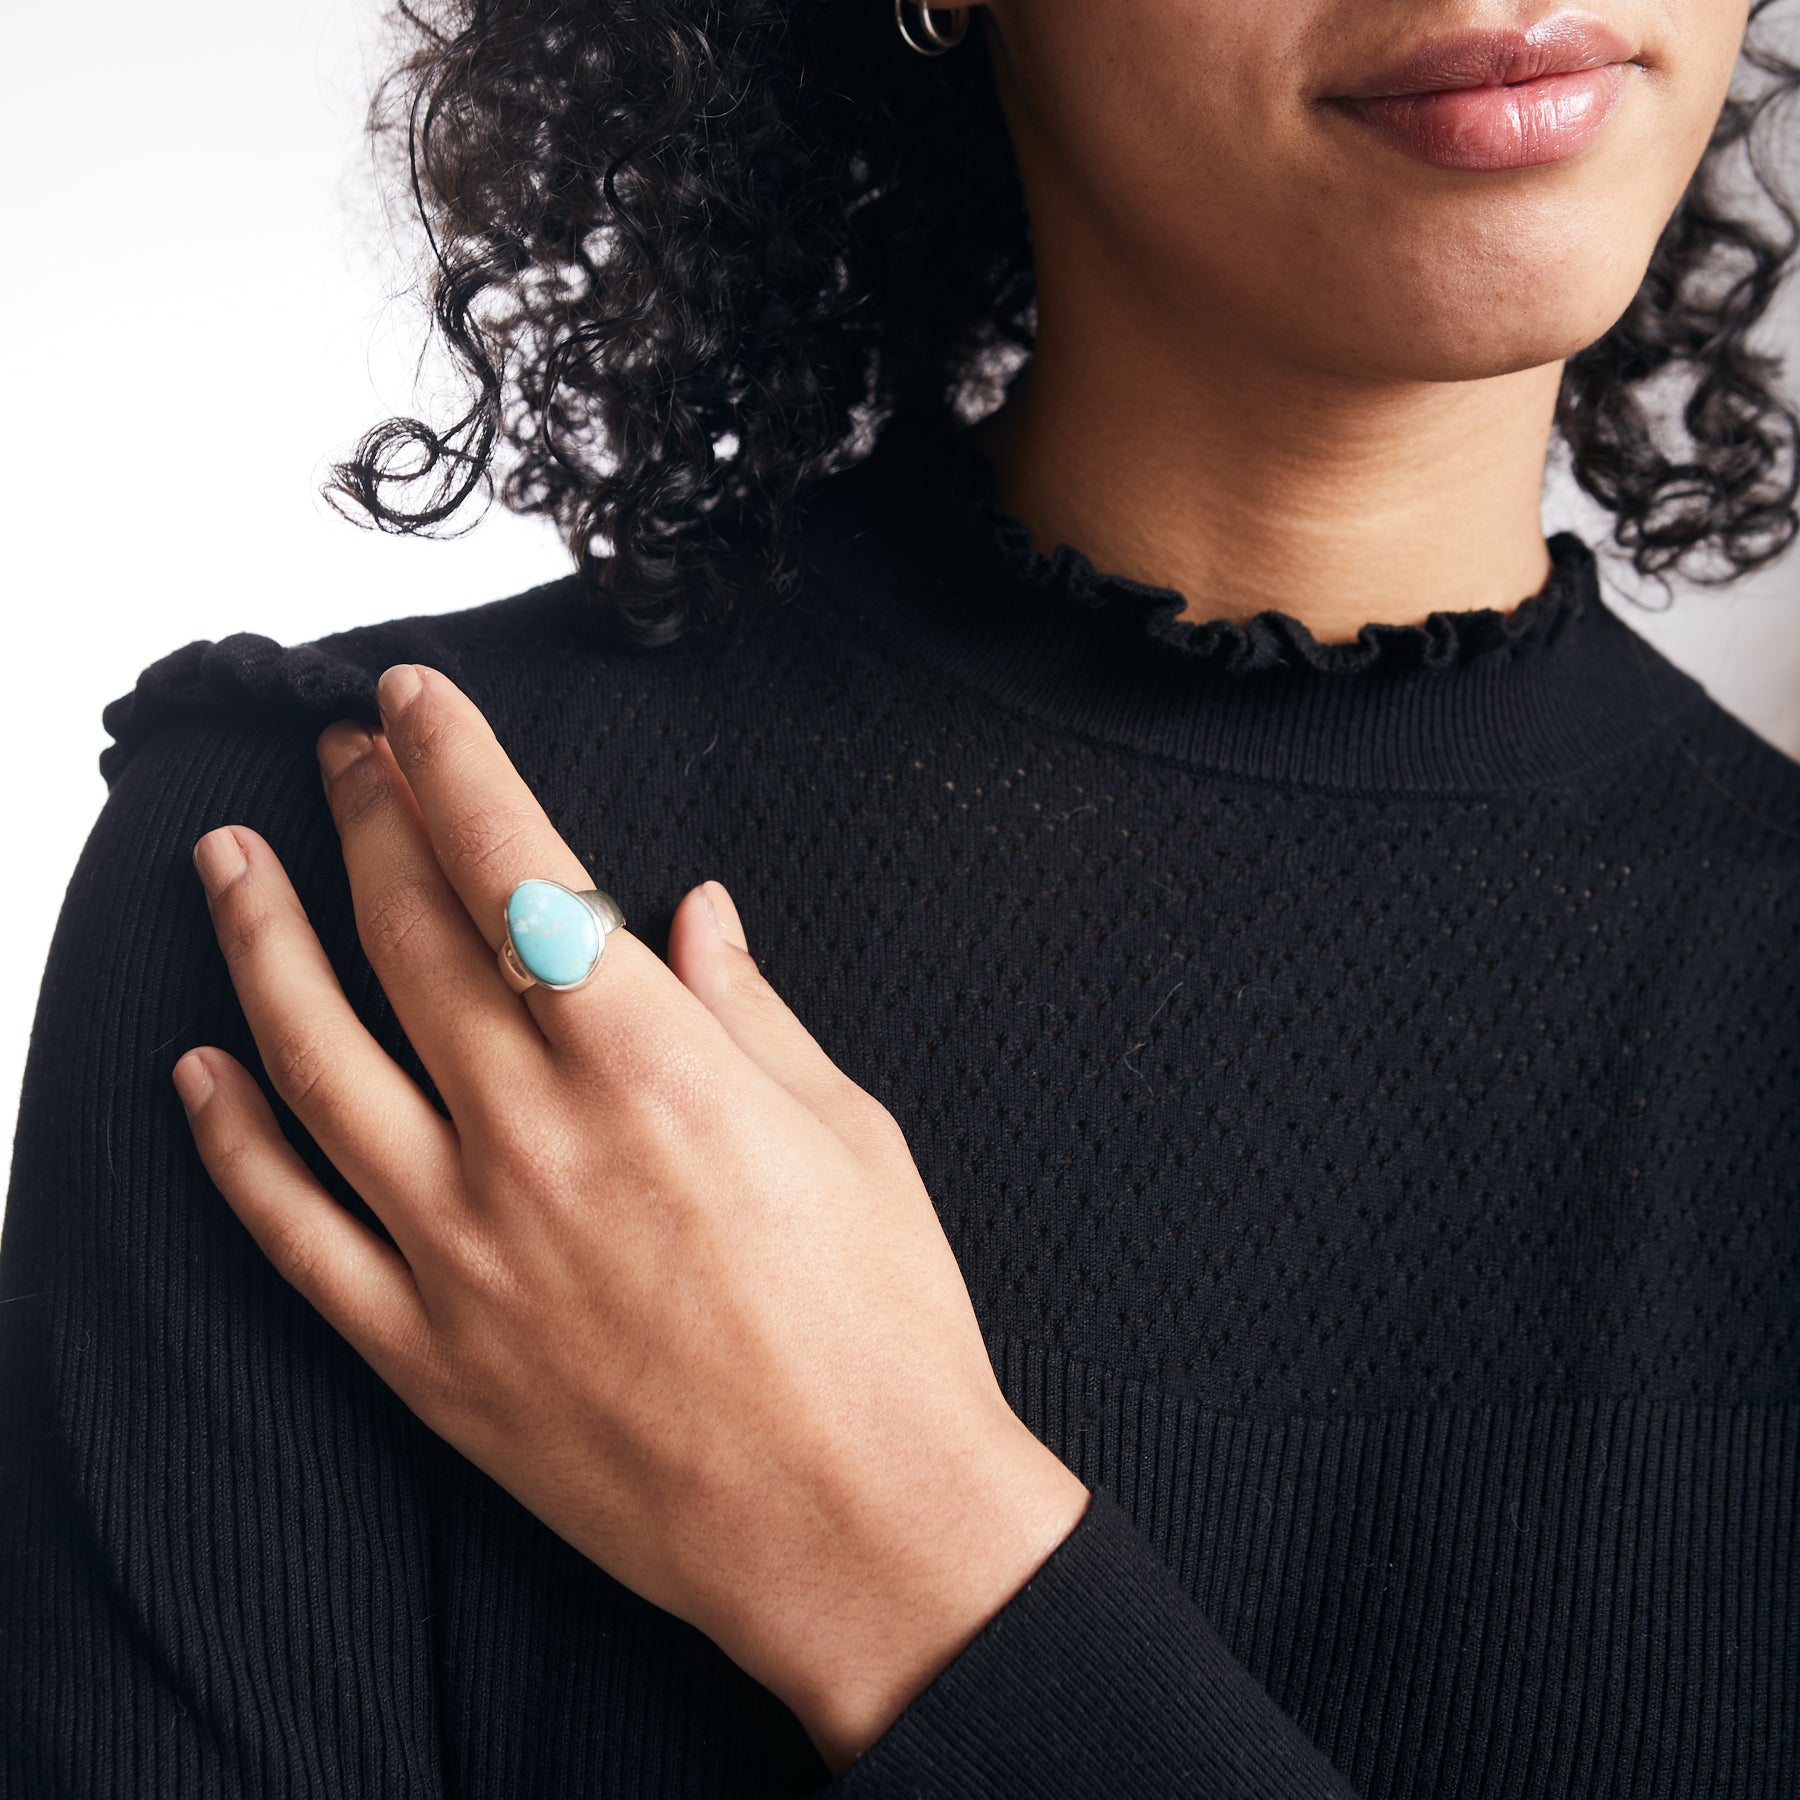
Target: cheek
1148	113
1150	168
1695	59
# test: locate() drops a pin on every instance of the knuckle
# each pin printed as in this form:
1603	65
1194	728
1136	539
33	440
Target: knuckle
425	732
665	1075
412	1358
391	918
479	840
298	1062
358	792
477	1298
749	986
243	922
227	1150
442	1382
868	1110
528	1154
881	1127
294	1248
484	1271
423	1354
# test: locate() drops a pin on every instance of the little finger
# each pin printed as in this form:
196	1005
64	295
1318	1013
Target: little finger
361	1285
362	1109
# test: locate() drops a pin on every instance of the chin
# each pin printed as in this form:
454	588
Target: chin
1475	346
1447	317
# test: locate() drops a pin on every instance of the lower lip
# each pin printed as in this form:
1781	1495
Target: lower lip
1516	127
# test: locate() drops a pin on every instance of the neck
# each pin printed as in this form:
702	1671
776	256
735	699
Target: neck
1173	451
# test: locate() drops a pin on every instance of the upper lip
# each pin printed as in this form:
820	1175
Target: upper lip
1496	56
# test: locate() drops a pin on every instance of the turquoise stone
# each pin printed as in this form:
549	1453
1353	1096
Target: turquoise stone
557	938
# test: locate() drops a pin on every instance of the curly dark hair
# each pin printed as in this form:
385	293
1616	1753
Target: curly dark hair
691	254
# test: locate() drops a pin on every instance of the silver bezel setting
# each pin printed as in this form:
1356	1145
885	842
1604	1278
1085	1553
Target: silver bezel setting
607	914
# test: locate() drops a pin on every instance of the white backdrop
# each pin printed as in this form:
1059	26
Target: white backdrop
198	320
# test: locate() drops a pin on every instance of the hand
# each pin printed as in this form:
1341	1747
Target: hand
666	1273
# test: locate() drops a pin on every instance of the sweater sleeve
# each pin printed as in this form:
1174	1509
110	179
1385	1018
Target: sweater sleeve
214	1555
1100	1676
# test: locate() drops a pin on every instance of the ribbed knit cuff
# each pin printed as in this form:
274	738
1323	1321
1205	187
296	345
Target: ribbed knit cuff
1100	1677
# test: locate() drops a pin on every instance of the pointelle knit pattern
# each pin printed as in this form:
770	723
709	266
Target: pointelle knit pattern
1360	1082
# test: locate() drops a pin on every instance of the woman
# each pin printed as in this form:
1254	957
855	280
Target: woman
1218	1218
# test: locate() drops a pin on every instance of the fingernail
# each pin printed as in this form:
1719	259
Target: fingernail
397	689
725	915
218	859
193	1081
340	746
711	911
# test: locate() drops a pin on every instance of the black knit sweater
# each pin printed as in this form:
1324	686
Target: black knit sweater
1361	1084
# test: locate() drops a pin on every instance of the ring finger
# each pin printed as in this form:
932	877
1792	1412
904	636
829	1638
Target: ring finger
431	961
490	833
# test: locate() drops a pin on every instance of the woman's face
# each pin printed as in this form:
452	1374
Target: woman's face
1189	154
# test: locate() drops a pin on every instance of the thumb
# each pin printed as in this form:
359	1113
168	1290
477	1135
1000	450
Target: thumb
714	963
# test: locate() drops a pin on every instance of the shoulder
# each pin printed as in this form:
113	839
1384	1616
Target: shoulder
252	682
1697	848
1736	793
238	716
224	732
601	730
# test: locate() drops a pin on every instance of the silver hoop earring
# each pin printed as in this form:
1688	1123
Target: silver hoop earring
939	40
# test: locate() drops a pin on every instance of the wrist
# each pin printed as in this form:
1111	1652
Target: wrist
947	1564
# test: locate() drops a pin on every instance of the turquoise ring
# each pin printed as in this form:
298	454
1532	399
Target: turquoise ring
555	935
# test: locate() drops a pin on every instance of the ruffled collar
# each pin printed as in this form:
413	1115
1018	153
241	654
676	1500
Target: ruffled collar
912	547
1271	641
